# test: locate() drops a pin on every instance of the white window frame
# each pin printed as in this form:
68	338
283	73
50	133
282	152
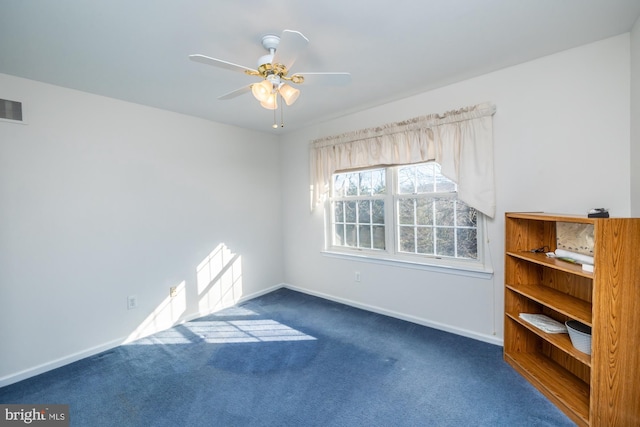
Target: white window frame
391	254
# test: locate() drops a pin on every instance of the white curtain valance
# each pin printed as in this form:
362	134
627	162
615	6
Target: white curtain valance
461	141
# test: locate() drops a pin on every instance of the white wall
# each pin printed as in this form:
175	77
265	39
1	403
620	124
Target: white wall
102	199
635	119
561	140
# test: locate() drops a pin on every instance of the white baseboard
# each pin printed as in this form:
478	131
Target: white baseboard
48	366
491	339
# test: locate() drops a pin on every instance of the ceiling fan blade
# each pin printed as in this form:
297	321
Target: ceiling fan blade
327	79
291	45
236	92
220	63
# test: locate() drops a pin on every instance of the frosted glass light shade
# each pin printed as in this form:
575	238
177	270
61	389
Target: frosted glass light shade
271	103
262	91
289	93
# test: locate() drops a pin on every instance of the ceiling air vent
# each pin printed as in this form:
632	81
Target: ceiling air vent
11	110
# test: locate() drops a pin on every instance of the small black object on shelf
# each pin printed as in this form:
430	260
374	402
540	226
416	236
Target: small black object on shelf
598	213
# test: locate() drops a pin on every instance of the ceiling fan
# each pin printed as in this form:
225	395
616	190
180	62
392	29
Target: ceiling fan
273	68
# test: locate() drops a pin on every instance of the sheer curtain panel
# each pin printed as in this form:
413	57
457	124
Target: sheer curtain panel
461	141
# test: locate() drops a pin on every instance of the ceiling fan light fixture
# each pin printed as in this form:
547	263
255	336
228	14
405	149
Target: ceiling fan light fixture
262	91
289	93
271	103
274	68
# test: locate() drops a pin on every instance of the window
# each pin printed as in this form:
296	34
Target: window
358	209
404	213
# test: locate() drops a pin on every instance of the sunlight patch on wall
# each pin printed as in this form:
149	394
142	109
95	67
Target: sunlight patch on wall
219	280
164	316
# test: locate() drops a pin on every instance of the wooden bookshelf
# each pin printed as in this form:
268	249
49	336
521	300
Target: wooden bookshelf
601	389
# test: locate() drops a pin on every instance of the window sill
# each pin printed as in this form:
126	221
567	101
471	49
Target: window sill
477	270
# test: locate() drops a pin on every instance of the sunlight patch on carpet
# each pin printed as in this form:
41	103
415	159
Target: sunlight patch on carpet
226	332
236	331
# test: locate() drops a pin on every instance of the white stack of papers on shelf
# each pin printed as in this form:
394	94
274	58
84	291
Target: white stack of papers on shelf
544	323
587	267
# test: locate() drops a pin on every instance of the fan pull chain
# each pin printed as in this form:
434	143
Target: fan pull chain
275	121
275	124
281	111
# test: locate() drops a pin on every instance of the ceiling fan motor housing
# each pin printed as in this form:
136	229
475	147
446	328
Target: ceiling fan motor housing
270	42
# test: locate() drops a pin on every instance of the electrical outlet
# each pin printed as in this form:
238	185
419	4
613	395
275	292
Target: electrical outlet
357	276
173	291
132	302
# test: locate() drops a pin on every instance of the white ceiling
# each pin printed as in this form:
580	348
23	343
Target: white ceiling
137	50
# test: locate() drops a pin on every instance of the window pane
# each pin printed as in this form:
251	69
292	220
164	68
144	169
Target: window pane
425	174
338	235
406	211
424	212
350	211
365	183
468	243
465	215
444	242
378	181
338	185
352	184
350	235
425	240
378	212
406	180
365	236
378	237
445	211
407	239
364	211
339	211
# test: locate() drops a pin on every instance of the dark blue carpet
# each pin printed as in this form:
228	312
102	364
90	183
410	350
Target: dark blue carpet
290	359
